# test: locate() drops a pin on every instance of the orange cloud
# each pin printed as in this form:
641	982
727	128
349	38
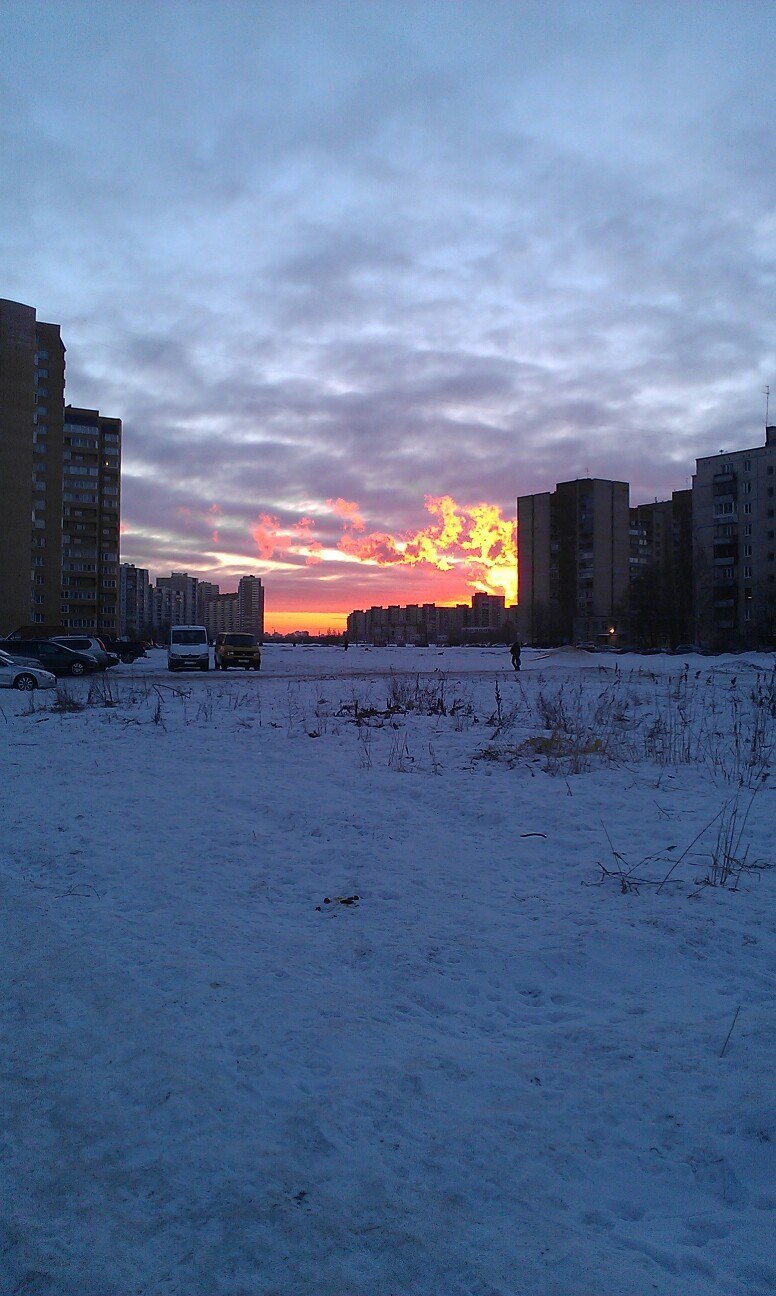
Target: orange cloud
471	541
349	511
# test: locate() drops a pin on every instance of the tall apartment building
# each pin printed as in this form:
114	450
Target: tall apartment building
734	532
661	577
174	601
59	488
573	568
91	505
135	618
243	610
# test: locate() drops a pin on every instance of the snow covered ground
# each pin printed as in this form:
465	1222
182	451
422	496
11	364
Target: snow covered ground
507	1068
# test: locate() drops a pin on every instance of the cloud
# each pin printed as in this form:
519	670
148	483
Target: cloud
411	251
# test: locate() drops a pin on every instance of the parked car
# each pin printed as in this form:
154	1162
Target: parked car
52	656
683	650
189	646
89	644
127	650
24	675
237	649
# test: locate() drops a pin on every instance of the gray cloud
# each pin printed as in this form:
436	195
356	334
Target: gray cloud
384	251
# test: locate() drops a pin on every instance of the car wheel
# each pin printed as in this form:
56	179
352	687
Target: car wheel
126	659
77	668
26	683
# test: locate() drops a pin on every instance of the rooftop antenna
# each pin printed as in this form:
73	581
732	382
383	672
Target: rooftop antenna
767	395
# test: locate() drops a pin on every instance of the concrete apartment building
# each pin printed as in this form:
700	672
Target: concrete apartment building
243	610
174	601
661	573
59	488
135	618
180	599
573	562
91	507
734	533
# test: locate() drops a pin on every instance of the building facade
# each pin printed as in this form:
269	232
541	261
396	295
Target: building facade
135	620
59	488
573	562
243	610
734	535
91	508
661	574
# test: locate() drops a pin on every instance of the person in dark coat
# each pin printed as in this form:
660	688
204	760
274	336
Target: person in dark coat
515	654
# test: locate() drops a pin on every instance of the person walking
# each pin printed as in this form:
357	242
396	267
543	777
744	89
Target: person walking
515	654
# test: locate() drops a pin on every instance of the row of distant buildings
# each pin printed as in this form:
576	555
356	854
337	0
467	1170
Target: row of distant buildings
486	618
699	567
60	510
147	611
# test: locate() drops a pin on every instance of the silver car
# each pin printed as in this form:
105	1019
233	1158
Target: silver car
24	675
88	644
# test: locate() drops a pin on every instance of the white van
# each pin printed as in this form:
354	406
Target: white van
188	647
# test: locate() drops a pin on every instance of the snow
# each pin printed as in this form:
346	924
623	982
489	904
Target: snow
502	1071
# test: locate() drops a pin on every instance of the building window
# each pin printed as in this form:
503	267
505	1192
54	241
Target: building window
747	508
747	465
747	573
747	488
747	614
747	551
748	529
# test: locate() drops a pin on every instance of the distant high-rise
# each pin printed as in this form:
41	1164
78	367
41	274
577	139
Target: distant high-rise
243	610
59	488
573	549
134	601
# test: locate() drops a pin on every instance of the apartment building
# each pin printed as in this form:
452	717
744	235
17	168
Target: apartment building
91	507
174	601
135	618
243	610
661	576
59	488
734	534
573	562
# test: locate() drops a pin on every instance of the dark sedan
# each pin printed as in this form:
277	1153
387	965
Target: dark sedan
52	656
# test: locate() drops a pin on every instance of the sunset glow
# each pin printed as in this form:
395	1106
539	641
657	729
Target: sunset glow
473	544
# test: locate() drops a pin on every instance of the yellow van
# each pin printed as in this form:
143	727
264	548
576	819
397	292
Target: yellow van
235	648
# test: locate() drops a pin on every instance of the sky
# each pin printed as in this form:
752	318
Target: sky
356	275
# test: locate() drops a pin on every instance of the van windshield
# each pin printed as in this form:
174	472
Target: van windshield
188	636
240	640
